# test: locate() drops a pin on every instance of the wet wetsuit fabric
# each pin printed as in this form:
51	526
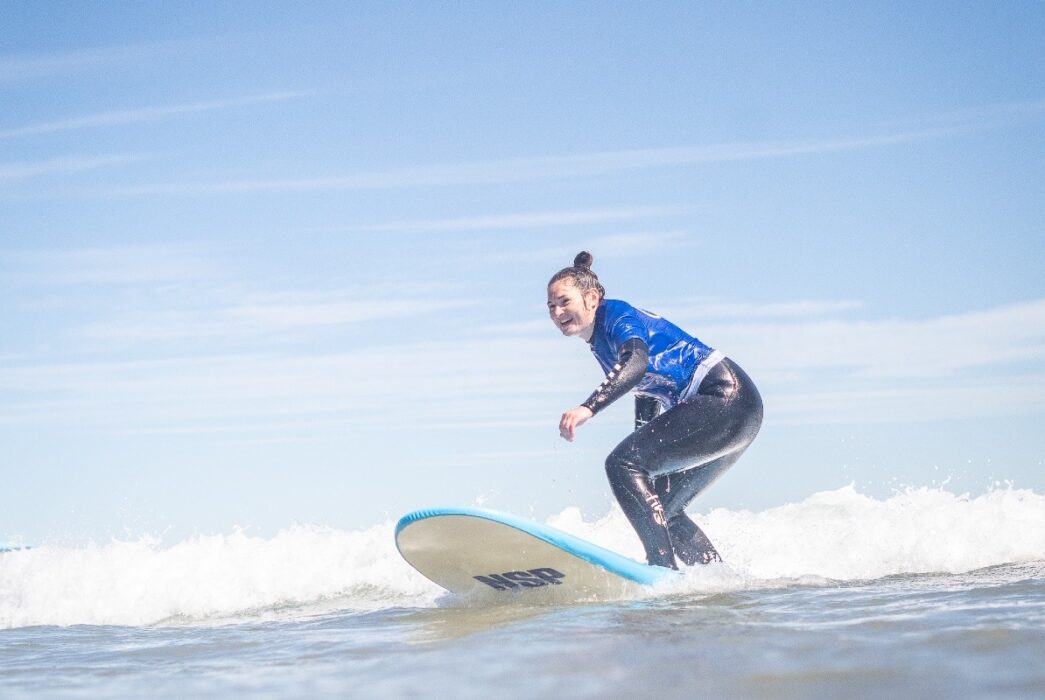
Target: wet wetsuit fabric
671	457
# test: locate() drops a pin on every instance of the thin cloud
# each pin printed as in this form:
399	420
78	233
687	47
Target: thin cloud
119	266
65	165
712	309
570	166
983	363
145	114
982	116
516	328
223	389
528	169
251	320
968	397
617	245
891	349
61	63
552	219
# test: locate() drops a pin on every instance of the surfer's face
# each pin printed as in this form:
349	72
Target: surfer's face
572	312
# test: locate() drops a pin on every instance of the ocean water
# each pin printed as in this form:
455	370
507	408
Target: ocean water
923	594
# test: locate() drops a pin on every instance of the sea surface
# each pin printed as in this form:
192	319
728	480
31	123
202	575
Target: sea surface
923	594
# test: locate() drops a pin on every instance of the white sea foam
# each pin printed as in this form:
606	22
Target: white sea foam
207	577
839	535
844	535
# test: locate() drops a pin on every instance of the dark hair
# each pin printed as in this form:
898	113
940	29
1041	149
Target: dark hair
580	274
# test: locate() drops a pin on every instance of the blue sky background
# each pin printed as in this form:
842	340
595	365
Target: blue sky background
266	263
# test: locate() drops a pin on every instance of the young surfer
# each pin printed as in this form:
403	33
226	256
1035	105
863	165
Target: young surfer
696	411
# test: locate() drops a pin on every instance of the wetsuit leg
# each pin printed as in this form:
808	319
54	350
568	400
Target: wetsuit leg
708	430
675	491
689	542
633	490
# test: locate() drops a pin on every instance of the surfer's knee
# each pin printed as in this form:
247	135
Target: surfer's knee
622	470
617	463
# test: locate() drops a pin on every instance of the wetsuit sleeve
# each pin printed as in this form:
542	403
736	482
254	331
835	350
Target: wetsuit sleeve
622	378
646	409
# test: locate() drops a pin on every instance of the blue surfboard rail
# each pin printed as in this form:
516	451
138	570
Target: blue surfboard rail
592	553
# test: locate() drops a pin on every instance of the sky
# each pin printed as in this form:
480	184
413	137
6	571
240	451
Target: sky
276	263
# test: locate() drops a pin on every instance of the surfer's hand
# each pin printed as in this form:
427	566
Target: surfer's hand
573	419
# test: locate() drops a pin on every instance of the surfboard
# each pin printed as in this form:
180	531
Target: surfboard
475	552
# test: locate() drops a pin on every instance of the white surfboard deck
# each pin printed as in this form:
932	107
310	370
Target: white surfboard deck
481	553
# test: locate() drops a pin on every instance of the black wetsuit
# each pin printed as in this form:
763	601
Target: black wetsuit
672	456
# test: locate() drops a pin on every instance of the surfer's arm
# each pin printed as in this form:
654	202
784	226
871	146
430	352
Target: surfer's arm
623	377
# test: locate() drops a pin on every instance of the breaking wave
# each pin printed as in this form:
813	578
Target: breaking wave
839	535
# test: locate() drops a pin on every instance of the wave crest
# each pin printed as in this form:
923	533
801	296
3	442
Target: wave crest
837	535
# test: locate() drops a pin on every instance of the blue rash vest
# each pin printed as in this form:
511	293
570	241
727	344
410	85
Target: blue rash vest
677	360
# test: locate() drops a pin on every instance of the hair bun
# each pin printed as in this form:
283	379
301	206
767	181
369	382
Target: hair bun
584	259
